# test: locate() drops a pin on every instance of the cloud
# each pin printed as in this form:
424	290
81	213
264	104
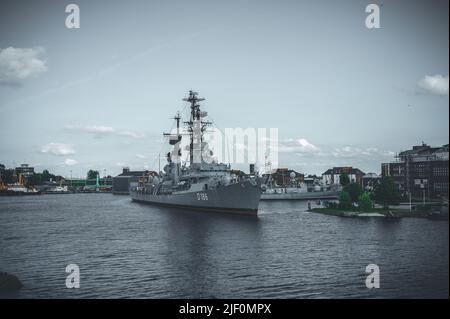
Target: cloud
59	149
140	156
103	130
17	64
300	145
435	84
347	149
95	129
305	145
355	152
368	158
131	134
70	162
99	129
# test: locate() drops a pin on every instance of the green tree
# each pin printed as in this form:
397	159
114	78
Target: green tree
35	179
355	190
91	174
2	169
344	179
7	176
345	202
46	176
387	192
364	202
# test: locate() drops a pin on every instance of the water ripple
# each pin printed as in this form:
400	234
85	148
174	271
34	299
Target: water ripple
129	250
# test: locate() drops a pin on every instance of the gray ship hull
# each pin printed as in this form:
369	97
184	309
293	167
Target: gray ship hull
299	196
240	198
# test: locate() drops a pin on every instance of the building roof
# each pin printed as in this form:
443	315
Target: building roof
344	169
424	150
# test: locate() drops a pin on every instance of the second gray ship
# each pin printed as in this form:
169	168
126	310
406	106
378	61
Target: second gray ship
201	185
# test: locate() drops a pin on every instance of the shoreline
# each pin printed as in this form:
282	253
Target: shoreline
380	212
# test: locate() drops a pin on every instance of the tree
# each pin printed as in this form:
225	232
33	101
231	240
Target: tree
364	202
344	179
7	175
46	176
91	174
345	202
2	169
34	179
354	190
387	192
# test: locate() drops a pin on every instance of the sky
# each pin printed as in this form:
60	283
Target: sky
340	94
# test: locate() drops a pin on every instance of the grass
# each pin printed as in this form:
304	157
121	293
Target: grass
392	212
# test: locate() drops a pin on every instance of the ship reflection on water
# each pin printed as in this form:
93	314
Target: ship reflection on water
192	241
133	250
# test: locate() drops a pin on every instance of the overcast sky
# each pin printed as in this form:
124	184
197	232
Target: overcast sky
339	93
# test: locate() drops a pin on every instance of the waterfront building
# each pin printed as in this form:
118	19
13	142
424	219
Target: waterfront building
332	175
370	181
121	182
286	176
25	169
421	171
312	181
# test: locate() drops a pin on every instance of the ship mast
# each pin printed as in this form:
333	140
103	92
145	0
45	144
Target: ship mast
195	127
174	140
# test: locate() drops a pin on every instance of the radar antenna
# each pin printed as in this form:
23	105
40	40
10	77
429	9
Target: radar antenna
196	126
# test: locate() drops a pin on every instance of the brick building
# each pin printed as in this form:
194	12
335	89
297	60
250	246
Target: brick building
285	176
420	171
370	181
121	182
332	175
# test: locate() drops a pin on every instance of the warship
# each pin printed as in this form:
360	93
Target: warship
202	183
295	190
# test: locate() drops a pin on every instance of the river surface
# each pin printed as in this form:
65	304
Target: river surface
129	250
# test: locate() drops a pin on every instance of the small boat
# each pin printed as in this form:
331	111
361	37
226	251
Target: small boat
18	190
58	190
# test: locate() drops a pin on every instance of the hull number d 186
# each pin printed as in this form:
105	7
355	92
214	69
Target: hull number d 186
202	196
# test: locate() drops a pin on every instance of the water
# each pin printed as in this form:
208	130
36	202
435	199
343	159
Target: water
131	250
